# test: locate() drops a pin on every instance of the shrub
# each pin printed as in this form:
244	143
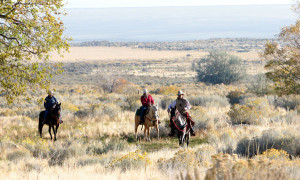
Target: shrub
167	90
208	101
88	161
59	155
252	112
220	67
276	154
165	102
113	144
235	97
230	167
259	85
131	160
287	102
286	140
183	159
17	155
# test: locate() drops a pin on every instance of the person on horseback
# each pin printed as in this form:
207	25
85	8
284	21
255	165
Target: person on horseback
182	105
147	101
49	103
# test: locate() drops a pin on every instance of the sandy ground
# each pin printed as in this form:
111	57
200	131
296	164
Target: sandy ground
78	54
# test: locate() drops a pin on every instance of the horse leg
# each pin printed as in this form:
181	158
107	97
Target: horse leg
148	132
135	130
187	139
157	130
56	128
182	139
40	127
54	132
50	132
145	136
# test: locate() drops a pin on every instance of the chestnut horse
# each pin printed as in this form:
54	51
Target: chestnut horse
151	120
51	120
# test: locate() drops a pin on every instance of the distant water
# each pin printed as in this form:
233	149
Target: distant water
177	23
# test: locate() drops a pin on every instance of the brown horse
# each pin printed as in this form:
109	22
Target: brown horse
151	120
52	120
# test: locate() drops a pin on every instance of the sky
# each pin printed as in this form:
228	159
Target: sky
154	3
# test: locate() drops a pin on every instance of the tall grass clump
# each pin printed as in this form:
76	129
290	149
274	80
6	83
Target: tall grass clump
132	160
209	101
281	139
252	111
226	166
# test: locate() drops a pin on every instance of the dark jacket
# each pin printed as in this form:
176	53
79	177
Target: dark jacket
49	102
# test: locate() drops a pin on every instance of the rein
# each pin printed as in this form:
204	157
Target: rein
179	128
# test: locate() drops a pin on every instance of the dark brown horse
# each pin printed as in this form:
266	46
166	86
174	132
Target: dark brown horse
52	120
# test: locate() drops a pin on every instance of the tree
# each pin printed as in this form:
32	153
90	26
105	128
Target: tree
29	30
219	67
283	63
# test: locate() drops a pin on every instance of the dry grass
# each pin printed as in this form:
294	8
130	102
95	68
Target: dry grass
96	140
80	54
98	53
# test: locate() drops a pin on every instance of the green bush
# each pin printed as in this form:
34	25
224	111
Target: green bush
220	67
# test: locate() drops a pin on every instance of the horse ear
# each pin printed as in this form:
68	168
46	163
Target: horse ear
59	104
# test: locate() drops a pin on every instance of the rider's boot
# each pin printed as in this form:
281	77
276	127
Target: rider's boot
44	121
141	120
60	121
192	131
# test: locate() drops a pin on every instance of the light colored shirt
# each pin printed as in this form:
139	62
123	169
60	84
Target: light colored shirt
173	105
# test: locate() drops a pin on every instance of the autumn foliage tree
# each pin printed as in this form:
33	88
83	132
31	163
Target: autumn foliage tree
283	63
29	30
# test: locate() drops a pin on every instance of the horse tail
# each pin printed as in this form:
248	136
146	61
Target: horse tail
41	117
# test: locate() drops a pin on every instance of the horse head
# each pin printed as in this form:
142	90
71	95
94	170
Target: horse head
56	112
154	112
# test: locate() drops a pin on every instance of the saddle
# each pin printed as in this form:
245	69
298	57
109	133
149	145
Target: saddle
139	110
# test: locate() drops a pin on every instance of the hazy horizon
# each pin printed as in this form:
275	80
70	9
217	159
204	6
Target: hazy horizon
177	23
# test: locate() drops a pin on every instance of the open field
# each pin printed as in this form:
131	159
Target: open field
89	65
98	53
256	138
101	53
96	139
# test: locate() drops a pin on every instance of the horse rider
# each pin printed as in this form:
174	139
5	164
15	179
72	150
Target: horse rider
147	101
182	105
49	103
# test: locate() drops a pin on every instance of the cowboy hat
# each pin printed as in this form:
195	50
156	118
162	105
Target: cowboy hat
50	92
180	93
145	91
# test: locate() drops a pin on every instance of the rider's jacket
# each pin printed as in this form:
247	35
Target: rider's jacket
147	100
182	105
49	102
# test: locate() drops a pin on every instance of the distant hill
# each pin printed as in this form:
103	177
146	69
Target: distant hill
177	23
